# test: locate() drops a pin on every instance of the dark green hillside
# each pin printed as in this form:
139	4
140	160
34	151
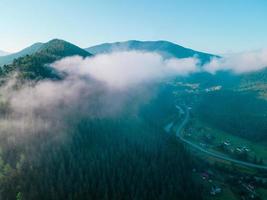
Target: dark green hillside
205	79
239	108
238	113
34	66
60	48
255	81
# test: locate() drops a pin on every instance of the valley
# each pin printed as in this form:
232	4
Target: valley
133	100
216	185
60	119
229	158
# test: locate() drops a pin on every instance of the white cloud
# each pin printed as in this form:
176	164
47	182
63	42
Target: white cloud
239	63
129	68
43	106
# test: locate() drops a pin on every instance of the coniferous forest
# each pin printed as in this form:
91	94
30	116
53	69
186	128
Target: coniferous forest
123	157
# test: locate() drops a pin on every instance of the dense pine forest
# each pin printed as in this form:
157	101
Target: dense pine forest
119	158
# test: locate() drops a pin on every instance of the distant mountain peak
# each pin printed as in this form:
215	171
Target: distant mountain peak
36	65
165	48
55	47
62	48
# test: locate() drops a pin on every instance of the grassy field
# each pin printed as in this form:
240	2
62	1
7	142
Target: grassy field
198	129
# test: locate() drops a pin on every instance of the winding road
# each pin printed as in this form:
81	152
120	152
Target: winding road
207	152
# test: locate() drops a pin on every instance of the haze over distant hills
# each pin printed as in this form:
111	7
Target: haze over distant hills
3	53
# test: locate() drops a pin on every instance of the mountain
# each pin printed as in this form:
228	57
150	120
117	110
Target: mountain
27	51
61	48
164	48
3	53
255	82
83	153
34	66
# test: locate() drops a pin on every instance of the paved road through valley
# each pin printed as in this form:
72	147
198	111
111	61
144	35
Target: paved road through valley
207	152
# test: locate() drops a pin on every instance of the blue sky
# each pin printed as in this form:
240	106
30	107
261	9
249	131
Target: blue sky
223	26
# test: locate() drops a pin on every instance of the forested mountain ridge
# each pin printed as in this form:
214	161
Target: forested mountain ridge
165	48
8	59
34	66
61	48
